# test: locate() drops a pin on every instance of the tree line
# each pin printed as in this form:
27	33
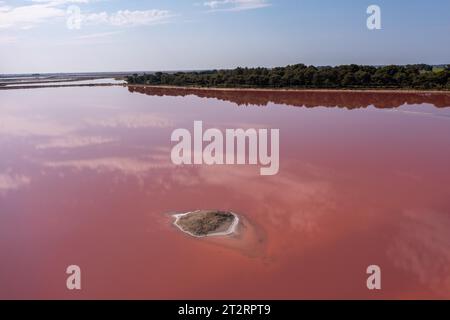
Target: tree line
419	76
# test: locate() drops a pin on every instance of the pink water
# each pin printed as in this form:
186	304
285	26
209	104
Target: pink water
86	179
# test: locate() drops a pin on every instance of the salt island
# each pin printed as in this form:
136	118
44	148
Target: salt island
207	223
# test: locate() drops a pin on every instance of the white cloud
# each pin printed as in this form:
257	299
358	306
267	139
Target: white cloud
132	121
72	142
24	127
236	5
42	11
60	2
97	35
10	182
128	18
127	166
28	16
421	247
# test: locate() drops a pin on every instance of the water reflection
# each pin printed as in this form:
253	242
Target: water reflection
11	182
422	248
308	99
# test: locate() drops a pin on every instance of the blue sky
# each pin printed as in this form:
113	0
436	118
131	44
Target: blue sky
117	35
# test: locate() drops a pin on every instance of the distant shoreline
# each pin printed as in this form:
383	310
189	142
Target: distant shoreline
233	89
300	76
38	86
372	90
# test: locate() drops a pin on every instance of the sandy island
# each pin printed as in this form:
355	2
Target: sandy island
224	229
207	223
